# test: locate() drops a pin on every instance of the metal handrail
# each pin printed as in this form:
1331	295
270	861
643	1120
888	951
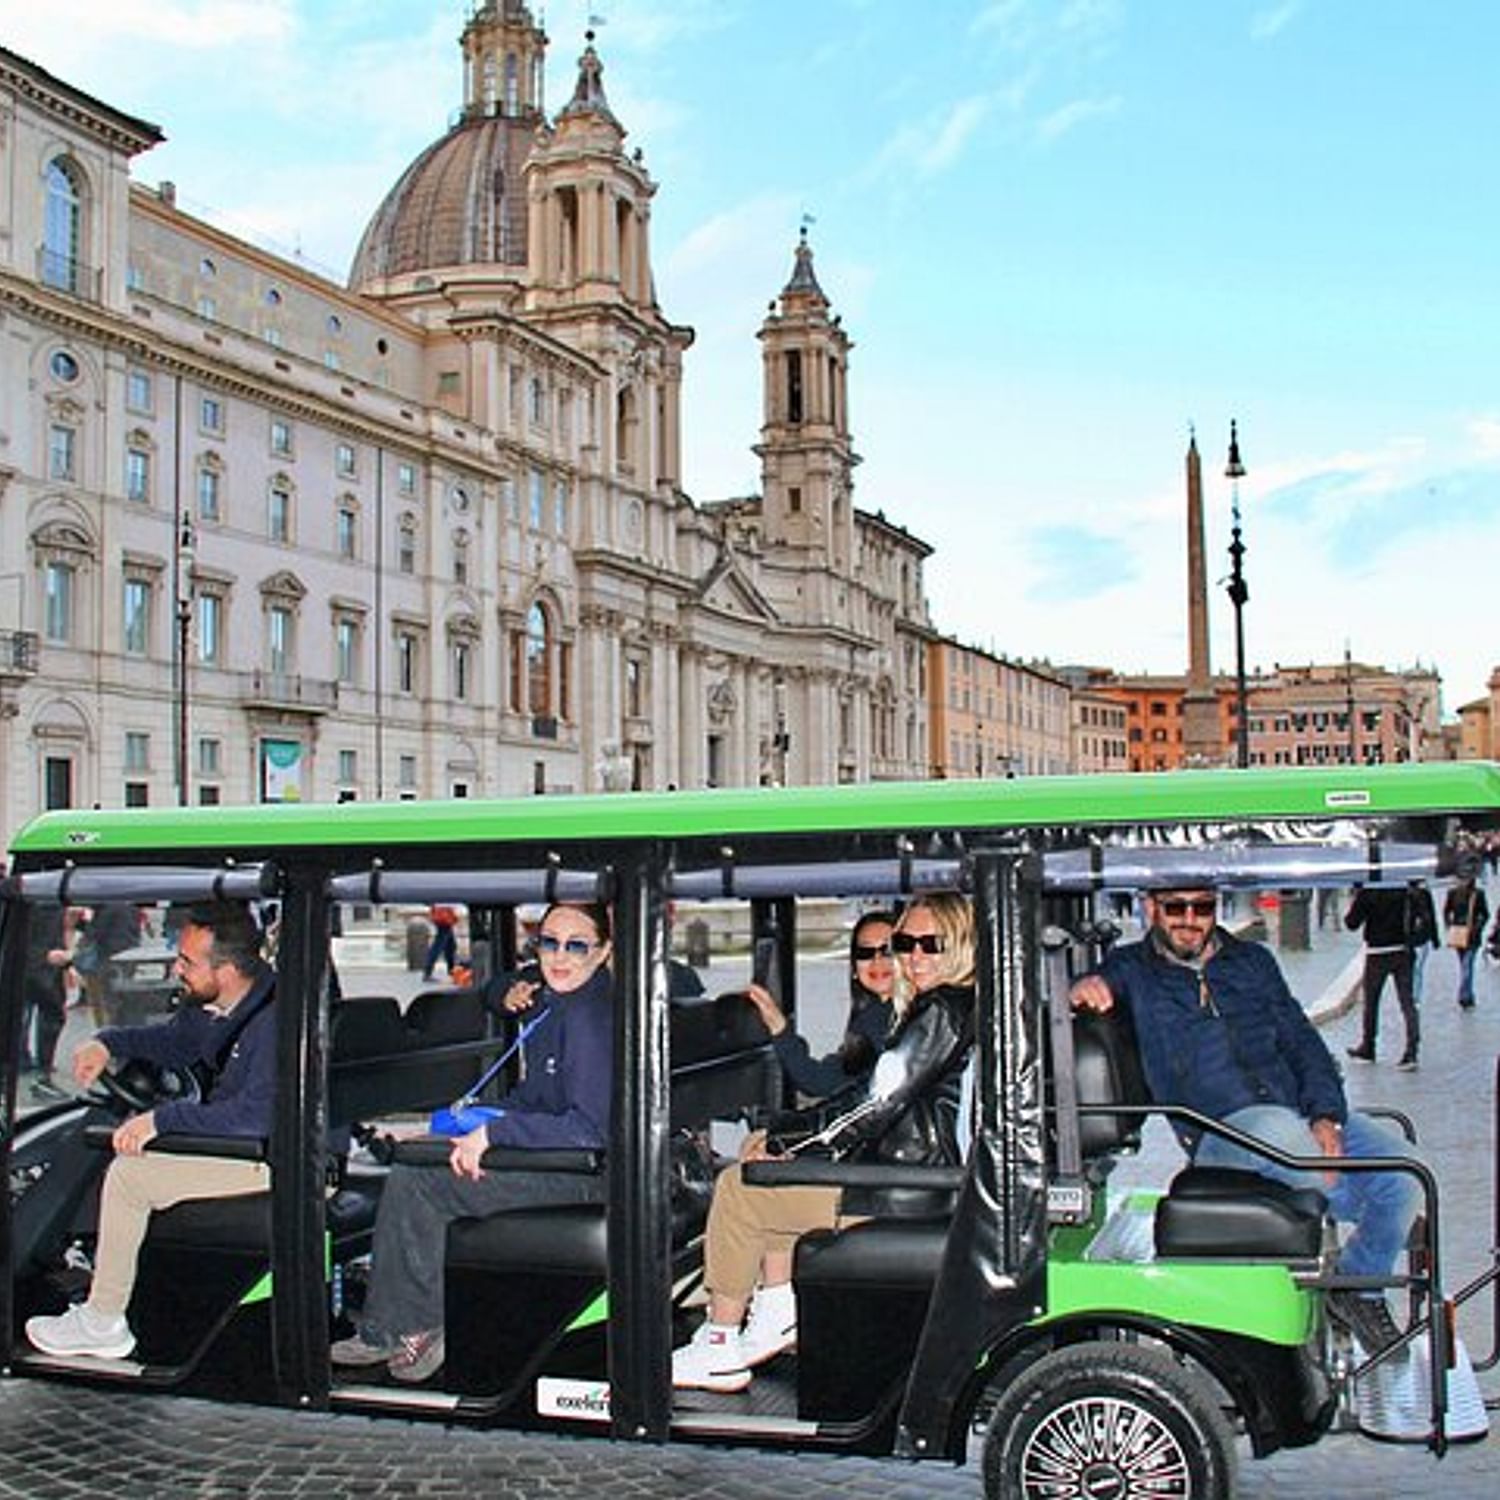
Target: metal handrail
1437	1328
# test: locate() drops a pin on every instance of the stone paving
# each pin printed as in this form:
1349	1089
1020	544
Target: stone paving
61	1440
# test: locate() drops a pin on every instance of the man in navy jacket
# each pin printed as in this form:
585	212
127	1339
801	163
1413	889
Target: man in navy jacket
1220	1032
226	1025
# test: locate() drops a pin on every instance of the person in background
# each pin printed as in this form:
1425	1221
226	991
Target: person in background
44	999
872	982
1220	1032
109	929
1422	931
908	1113
1384	912
444	944
1465	911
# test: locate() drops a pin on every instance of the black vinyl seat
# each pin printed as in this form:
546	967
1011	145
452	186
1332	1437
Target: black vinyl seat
1238	1215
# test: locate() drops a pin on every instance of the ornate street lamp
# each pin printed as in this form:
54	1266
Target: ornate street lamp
1239	594
186	545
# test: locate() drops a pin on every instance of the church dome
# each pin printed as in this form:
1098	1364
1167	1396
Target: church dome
462	202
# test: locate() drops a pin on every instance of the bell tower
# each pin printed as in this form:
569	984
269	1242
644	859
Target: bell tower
503	50
807	461
590	205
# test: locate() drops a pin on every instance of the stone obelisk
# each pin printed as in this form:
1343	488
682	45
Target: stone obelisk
1201	741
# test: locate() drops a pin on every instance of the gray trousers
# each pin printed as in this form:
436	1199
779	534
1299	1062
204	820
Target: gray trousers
406	1278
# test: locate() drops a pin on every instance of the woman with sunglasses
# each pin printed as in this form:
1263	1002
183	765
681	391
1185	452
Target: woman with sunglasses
872	982
908	1112
562	1101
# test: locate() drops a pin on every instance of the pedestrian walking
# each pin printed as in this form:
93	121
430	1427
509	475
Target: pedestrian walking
1385	915
1465	912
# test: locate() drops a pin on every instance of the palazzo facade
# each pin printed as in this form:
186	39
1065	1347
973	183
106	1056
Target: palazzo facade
263	536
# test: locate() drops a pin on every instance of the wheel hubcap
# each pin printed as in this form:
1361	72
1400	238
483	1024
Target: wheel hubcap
1102	1448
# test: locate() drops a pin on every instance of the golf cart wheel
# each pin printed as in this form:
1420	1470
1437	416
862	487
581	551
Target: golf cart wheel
1108	1421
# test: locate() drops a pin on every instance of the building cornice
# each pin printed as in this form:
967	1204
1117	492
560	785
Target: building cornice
111	126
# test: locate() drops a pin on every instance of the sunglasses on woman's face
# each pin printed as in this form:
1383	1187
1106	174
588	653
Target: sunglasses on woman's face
574	947
908	942
864	952
1204	906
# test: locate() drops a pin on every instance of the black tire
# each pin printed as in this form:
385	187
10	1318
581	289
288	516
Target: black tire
1108	1421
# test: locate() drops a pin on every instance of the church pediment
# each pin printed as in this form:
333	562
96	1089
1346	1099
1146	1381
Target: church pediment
726	588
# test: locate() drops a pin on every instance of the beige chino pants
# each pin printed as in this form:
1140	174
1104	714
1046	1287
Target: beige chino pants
745	1223
135	1187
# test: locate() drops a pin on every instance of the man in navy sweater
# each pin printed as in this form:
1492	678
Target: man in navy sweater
1220	1032
227	1024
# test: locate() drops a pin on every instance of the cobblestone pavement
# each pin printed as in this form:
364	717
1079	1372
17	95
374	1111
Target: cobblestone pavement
61	1440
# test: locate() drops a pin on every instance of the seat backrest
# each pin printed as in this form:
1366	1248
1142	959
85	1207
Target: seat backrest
722	1060
1107	1070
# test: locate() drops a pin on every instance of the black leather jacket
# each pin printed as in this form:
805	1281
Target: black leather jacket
907	1109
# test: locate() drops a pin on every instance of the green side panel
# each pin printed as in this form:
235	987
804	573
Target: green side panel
1024	802
260	1292
596	1312
1259	1301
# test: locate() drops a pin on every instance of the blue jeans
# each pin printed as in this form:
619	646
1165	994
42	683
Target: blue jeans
1379	1205
1466	961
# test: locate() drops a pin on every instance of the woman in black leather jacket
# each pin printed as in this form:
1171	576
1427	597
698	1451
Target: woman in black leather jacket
908	1113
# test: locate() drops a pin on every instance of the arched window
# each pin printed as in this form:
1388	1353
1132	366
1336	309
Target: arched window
63	226
512	84
538	662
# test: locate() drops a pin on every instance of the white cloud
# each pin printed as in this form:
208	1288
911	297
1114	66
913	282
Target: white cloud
1485	433
65	35
1051	127
934	144
1267	23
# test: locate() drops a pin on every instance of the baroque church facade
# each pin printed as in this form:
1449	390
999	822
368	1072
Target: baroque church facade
266	537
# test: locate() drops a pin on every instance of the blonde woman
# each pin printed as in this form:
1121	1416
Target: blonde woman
908	1113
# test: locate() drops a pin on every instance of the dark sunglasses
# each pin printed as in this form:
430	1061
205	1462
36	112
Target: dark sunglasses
573	947
909	942
1205	906
864	952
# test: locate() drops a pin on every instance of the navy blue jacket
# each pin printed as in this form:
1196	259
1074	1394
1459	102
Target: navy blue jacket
1244	1040
819	1077
242	1096
564	1099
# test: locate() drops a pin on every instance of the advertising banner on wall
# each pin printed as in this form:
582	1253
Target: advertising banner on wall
281	764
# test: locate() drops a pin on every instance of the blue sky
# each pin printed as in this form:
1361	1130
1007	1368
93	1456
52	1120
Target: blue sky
1059	231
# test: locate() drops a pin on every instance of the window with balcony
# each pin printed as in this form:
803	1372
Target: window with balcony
59	582
62	227
279	514
406	662
209	488
210	629
279	640
136	638
346	651
463	670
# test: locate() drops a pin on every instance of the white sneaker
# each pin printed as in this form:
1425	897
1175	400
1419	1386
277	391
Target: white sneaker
771	1328
712	1361
81	1330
